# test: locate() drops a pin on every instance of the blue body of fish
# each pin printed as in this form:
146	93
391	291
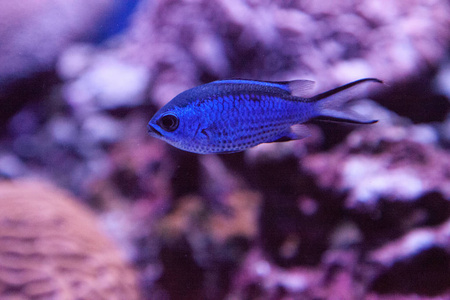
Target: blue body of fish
233	115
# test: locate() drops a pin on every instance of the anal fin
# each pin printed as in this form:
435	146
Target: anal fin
295	132
345	115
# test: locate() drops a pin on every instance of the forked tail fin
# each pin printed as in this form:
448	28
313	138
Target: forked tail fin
332	104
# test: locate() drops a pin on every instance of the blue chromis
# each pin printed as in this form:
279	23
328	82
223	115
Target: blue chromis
228	116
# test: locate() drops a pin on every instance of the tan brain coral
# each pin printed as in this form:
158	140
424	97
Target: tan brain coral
51	248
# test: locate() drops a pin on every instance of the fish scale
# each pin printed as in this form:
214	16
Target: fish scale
233	115
258	119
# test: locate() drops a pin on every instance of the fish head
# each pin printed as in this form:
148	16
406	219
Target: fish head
179	126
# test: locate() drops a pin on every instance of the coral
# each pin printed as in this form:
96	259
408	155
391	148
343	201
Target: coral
52	247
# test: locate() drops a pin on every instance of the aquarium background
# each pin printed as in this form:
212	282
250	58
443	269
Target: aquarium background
352	212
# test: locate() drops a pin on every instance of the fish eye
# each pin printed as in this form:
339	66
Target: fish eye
168	122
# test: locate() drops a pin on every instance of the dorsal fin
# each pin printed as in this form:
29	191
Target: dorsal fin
301	88
280	85
298	88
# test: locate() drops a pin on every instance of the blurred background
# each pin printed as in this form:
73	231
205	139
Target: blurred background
351	212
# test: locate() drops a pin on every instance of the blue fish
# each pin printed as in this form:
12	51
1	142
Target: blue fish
228	116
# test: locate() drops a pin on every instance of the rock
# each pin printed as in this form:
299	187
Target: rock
397	163
34	33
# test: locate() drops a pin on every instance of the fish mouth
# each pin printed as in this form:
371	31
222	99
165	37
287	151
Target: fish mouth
152	131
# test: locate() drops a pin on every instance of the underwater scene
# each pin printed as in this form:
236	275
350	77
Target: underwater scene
224	149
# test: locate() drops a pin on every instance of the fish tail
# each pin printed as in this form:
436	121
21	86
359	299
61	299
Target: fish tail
331	105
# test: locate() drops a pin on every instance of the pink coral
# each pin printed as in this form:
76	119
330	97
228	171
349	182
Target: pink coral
52	247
